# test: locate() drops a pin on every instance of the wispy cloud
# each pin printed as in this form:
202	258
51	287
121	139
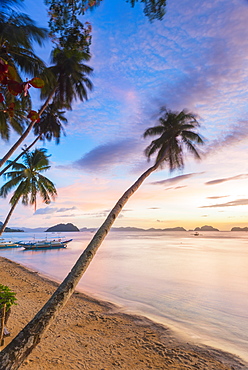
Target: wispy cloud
218	197
230	136
175	179
220	181
66	216
50	210
45	211
176	187
234	203
106	156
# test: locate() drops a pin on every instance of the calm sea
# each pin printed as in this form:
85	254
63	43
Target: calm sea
197	285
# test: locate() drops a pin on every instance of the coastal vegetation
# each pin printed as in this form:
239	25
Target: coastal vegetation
7	299
26	177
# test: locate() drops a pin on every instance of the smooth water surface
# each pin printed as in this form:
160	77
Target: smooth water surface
196	284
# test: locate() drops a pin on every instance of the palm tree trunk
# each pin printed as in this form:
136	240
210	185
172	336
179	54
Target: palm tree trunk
19	156
27	131
2	322
21	346
9	215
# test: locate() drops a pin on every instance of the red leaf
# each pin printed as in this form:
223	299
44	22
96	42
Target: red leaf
15	88
1	98
11	73
33	115
37	82
4	80
3	67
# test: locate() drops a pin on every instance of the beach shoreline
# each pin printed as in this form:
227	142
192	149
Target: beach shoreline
94	335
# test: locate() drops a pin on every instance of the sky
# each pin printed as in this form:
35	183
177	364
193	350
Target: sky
196	58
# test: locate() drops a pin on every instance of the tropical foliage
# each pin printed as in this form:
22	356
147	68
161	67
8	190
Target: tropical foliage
68	76
176	132
7	297
18	32
64	17
15	105
17	60
154	9
50	125
26	177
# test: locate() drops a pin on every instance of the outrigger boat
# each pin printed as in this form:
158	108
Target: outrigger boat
45	244
8	244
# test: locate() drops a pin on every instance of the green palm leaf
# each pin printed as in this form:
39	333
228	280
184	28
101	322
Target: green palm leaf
176	130
69	76
28	181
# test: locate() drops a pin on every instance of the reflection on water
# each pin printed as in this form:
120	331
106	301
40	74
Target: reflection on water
195	283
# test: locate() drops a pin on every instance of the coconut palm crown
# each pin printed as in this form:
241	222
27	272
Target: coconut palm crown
176	130
26	177
69	76
51	124
18	32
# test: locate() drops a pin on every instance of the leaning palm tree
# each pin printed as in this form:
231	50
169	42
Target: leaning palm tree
29	182
177	133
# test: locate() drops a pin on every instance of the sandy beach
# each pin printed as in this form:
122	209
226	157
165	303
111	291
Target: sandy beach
94	335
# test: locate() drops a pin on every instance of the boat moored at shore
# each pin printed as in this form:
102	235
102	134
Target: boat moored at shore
45	244
8	244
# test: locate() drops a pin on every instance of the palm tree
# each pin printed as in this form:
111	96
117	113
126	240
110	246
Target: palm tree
69	75
29	182
13	113
175	130
177	133
51	124
18	32
65	82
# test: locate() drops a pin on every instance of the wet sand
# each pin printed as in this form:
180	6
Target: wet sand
94	335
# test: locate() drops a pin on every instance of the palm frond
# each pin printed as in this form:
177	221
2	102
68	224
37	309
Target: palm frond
175	129
8	186
154	131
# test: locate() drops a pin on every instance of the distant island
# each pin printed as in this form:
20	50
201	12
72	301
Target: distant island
63	228
137	229
206	228
69	227
239	229
9	230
